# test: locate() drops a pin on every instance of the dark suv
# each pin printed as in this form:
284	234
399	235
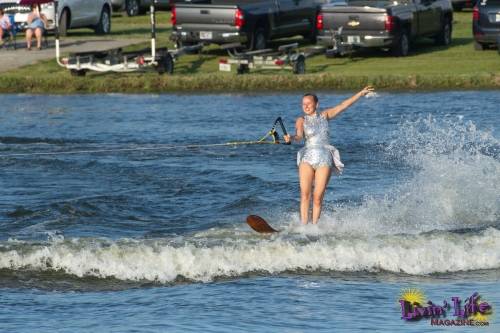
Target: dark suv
486	24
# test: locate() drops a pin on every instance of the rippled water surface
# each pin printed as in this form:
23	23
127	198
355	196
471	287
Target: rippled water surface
125	213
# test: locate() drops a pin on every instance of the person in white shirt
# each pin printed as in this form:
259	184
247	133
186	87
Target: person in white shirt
5	25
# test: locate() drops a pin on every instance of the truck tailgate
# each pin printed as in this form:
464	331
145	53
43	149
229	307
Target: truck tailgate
362	19
194	17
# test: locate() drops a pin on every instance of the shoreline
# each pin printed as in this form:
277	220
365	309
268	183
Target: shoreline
137	83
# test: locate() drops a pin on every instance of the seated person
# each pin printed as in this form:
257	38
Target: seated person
4	26
36	25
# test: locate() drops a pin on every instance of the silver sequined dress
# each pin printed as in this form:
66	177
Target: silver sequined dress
317	151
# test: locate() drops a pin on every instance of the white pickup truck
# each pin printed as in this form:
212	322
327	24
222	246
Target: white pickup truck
94	14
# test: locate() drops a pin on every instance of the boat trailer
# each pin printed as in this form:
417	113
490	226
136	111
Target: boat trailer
115	60
285	57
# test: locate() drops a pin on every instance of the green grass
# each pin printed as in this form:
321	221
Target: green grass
428	67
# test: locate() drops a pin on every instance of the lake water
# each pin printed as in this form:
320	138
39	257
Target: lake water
109	222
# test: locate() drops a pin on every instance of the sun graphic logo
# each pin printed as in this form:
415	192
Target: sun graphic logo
415	307
413	296
410	300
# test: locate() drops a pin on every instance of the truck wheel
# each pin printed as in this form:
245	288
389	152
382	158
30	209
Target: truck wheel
444	36
402	46
132	7
63	23
299	66
165	64
259	40
103	27
478	46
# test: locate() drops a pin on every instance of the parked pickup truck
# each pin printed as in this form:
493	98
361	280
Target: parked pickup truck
386	24
252	22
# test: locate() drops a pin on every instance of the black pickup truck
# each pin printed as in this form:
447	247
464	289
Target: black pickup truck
251	23
385	24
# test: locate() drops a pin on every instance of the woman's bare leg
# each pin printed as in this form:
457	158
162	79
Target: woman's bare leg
321	178
38	34
29	35
306	177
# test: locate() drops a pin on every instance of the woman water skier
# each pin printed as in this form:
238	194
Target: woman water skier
317	158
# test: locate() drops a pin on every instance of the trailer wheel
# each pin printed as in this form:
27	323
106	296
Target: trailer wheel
299	66
165	64
78	72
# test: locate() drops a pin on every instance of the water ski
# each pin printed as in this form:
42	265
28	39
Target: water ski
260	225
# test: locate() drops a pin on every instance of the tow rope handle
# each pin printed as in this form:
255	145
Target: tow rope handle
283	129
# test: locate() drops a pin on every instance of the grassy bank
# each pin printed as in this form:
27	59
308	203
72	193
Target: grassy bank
428	67
134	83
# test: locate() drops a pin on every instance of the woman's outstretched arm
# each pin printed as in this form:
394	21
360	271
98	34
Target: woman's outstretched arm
335	111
